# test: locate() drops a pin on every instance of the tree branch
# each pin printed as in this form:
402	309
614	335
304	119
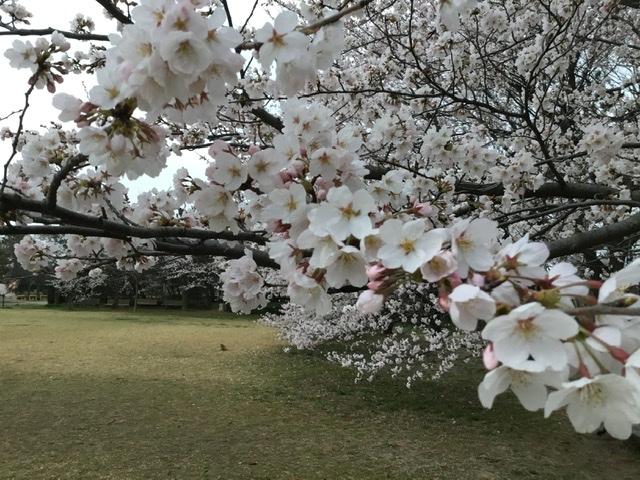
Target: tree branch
586	191
594	238
114	11
72	164
48	31
109	228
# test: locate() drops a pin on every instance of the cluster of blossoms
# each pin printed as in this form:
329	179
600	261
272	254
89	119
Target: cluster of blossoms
38	58
36	255
552	337
601	143
535	339
243	285
331	234
16	12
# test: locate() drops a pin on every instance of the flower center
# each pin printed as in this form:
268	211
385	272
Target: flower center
592	394
527	328
408	245
465	243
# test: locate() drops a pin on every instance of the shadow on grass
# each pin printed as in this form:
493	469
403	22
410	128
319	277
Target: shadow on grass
290	426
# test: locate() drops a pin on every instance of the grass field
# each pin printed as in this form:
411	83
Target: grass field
151	395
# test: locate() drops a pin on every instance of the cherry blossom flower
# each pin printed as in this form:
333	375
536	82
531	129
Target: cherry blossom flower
615	287
438	267
280	41
69	105
524	257
228	170
345	213
264	166
530	388
470	304
472	241
242	285
346	265
530	337
111	88
68	269
214	200
609	399
22	55
408	245
287	205
304	290
185	53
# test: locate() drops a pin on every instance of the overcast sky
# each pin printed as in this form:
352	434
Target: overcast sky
40	113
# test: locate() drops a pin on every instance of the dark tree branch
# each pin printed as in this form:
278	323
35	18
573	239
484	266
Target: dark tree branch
109	228
586	191
268	118
594	238
215	249
114	11
72	164
21	32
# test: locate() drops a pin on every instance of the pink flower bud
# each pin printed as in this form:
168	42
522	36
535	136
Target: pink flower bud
87	107
284	175
443	300
281	227
584	371
254	149
375	272
455	280
489	357
369	302
619	354
298	167
376	285
422	209
292	172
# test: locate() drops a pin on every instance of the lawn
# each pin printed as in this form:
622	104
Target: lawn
113	394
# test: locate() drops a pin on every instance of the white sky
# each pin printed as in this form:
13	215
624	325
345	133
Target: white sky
40	113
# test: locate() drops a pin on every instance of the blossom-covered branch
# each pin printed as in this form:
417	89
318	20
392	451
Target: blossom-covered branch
403	152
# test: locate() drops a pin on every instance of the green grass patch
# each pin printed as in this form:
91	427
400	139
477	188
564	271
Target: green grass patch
118	395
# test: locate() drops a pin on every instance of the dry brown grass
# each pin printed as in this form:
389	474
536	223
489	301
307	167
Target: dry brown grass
109	394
